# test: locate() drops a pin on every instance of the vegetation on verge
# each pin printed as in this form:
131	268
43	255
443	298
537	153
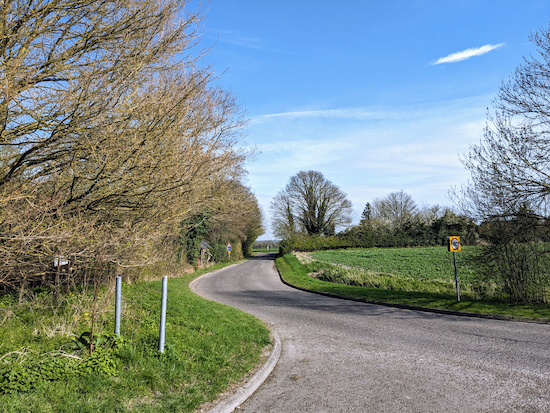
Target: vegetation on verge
43	369
401	288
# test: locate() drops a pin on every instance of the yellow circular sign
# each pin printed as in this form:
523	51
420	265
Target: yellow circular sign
454	244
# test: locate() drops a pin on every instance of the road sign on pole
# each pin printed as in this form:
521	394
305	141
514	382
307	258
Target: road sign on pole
454	247
229	248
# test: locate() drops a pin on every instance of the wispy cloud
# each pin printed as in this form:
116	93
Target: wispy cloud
238	39
371	113
334	114
466	54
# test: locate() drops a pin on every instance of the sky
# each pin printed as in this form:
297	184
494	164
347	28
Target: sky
377	95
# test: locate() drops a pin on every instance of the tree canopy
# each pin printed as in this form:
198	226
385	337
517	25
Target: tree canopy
309	204
111	135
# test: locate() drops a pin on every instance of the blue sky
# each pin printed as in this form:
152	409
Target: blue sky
377	95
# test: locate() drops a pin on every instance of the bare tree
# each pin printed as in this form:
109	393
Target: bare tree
511	165
309	204
71	67
110	133
509	189
396	208
282	222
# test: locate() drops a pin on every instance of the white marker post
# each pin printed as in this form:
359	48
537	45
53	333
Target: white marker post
117	304
229	248
163	313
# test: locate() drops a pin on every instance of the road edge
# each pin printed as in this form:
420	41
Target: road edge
252	384
245	391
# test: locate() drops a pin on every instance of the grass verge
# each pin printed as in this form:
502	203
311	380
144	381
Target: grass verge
209	346
296	274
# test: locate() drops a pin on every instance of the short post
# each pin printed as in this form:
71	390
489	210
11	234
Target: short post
456	279
163	313
117	304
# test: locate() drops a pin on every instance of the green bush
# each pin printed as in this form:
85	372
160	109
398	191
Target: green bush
410	234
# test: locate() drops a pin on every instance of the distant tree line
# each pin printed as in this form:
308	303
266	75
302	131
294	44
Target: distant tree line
271	244
393	221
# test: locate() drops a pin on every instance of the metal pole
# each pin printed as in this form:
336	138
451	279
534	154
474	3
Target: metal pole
117	305
456	278
163	313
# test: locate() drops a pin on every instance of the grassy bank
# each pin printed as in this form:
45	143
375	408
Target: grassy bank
296	273
208	347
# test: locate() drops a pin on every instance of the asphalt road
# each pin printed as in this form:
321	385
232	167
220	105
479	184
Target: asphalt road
344	356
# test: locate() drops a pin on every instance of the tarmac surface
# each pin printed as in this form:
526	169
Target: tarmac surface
345	356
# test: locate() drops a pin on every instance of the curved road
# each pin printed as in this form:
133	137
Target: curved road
344	356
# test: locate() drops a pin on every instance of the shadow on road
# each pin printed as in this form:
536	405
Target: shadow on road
310	301
264	256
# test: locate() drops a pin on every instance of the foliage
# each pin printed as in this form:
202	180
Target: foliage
411	234
193	231
312	243
309	204
517	256
25	369
367	213
235	217
112	135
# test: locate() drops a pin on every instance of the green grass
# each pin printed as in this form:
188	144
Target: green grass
421	263
423	269
296	274
208	347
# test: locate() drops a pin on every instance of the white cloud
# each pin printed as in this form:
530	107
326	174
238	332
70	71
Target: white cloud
466	54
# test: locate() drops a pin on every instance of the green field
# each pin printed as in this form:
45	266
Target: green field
423	269
422	277
424	263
